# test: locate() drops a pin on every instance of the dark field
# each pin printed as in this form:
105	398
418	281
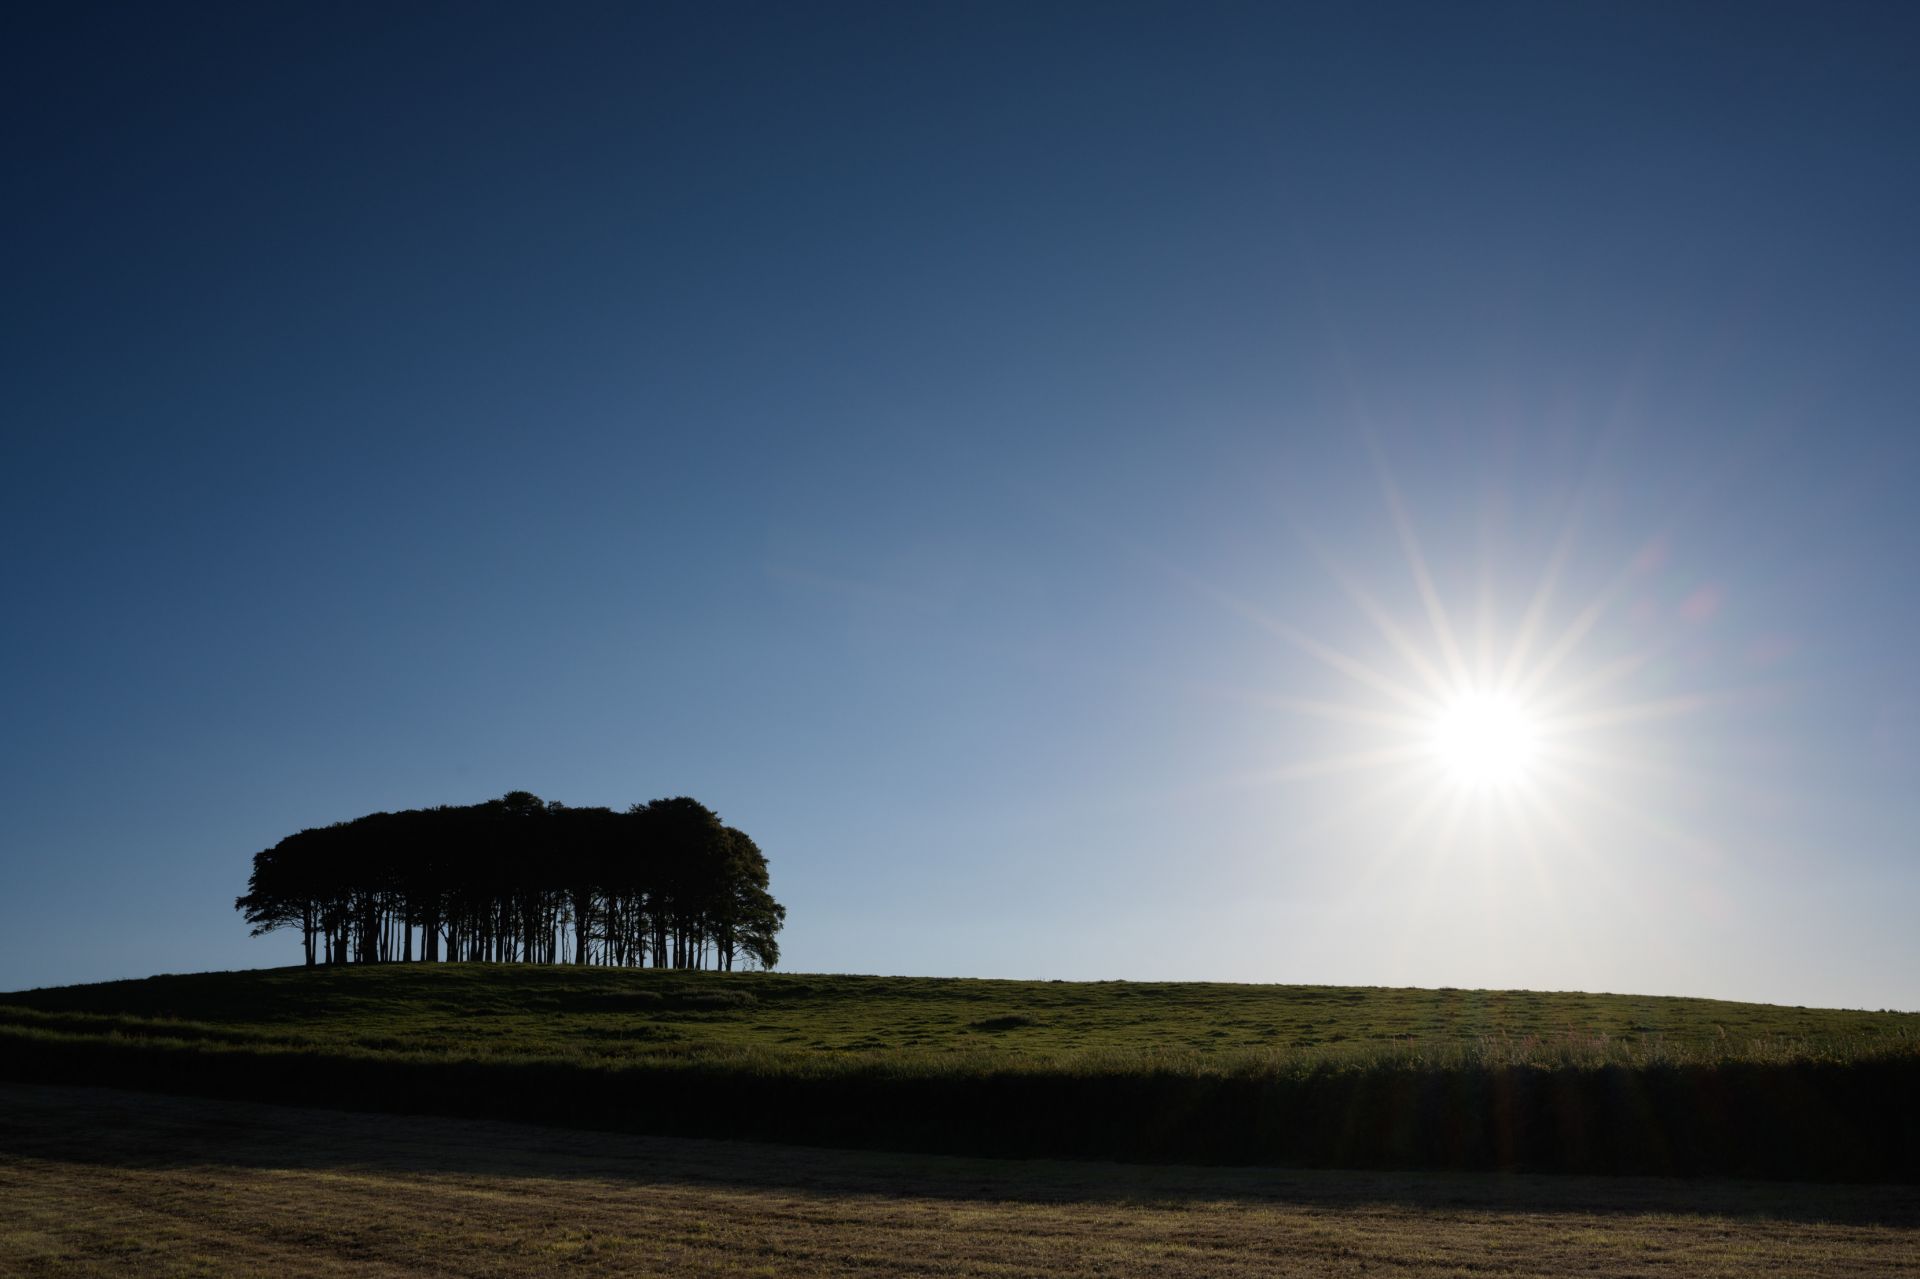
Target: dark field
100	1182
1187	1072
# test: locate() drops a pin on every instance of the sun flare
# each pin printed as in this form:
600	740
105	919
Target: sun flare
1509	739
1485	739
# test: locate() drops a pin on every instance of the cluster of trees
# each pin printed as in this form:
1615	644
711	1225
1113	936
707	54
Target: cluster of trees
663	885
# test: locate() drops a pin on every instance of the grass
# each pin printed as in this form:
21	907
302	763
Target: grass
628	1016
1133	1070
98	1182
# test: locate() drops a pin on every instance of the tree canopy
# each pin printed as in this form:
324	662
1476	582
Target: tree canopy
664	884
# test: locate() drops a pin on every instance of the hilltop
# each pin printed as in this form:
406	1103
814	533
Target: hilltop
631	1015
1207	1071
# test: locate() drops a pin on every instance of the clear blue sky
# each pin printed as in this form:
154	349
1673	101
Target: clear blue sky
961	444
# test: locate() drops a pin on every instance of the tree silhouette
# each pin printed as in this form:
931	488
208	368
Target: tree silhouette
664	884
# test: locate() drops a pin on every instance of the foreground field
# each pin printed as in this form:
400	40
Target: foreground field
98	1182
1348	1077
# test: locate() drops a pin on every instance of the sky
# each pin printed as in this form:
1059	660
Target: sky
1052	474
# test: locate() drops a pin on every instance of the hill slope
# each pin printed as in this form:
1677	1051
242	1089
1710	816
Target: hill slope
1138	1070
630	1015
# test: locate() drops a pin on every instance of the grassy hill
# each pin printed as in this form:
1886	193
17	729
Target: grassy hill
1132	1070
629	1016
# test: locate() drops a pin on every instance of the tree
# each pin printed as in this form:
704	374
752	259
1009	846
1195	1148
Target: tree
665	883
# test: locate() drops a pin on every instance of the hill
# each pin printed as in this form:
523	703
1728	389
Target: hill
1198	1071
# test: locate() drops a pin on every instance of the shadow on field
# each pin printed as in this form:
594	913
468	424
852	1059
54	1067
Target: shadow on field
133	1130
1797	1120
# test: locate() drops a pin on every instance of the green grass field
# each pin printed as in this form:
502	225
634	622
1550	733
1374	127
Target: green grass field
632	1016
1134	1070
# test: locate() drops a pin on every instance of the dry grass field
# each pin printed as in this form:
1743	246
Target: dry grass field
100	1182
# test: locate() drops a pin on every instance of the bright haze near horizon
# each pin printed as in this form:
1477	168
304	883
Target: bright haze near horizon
1353	493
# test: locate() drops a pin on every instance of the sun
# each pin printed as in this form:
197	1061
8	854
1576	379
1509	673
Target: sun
1485	739
1508	735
